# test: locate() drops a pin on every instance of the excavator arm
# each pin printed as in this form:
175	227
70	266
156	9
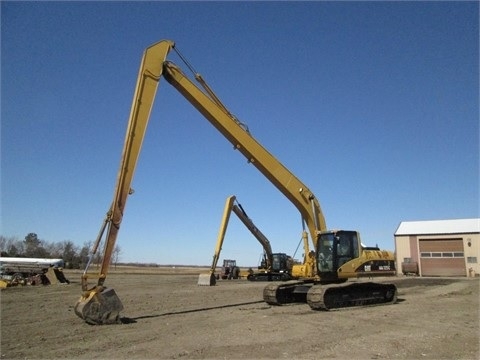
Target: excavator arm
145	90
209	279
100	305
147	83
262	239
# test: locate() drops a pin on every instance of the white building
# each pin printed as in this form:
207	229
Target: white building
438	247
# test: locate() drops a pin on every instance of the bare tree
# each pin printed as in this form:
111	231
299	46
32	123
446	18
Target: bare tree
74	256
12	246
116	254
84	253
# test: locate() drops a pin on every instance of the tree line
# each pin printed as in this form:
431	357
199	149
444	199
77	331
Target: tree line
75	257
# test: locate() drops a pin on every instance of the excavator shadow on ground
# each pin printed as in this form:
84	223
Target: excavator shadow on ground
126	320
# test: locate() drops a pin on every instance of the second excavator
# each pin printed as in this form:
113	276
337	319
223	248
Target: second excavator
274	266
337	255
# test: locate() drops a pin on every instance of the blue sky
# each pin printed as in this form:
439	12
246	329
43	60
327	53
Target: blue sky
373	105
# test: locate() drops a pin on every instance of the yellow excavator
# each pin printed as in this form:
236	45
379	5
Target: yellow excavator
274	266
338	255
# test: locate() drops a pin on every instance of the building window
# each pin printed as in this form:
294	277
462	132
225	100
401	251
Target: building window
446	254
472	259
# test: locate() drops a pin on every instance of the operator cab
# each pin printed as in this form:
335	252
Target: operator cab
335	248
281	262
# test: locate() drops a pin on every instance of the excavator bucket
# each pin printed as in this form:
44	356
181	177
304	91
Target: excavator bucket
99	307
56	275
207	279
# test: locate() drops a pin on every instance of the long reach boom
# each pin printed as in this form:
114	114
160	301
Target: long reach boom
101	305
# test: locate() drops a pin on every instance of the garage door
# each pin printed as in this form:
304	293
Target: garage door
442	257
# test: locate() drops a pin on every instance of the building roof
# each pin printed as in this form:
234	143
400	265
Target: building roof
455	226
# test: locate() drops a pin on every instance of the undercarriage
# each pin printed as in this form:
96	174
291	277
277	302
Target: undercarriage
332	296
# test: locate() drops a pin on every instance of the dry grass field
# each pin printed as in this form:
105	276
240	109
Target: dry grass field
168	316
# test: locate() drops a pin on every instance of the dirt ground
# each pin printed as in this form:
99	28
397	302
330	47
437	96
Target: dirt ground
168	316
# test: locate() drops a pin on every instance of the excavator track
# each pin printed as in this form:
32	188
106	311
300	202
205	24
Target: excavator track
270	277
357	294
286	293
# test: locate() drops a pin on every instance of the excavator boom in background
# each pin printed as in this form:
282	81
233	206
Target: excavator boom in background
337	255
275	266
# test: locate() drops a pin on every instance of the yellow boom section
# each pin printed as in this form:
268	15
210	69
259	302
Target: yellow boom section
146	88
100	305
266	163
